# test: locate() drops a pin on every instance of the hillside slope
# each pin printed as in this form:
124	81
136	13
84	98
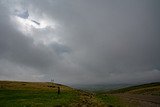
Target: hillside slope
44	94
145	95
41	86
145	89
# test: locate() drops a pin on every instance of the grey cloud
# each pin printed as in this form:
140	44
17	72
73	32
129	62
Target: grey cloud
60	49
22	13
105	41
20	50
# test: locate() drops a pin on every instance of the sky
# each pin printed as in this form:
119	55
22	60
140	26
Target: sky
80	41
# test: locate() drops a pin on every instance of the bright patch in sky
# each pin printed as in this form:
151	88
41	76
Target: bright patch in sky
22	17
41	30
31	23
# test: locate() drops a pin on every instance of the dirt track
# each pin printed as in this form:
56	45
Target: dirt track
141	100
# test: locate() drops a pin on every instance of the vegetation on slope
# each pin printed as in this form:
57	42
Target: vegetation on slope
44	94
39	94
148	89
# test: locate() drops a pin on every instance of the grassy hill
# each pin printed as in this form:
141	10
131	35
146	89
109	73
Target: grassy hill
133	96
39	86
147	89
43	94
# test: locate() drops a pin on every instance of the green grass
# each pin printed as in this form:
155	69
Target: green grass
27	98
139	89
110	100
44	94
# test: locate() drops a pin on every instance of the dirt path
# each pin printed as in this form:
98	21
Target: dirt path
141	100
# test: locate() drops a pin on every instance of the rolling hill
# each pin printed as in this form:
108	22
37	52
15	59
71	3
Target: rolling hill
145	95
44	94
145	89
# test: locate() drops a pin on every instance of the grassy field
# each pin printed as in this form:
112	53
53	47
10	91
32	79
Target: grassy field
110	100
44	94
39	94
27	98
35	94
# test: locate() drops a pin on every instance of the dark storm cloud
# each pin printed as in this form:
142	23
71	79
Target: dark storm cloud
105	41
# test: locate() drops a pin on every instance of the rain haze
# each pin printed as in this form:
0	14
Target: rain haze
80	41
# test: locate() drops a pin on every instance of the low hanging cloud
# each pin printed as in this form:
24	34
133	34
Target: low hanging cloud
83	42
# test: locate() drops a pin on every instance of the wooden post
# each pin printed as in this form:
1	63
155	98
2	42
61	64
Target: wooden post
58	90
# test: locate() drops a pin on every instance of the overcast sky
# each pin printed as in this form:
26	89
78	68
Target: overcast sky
80	41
